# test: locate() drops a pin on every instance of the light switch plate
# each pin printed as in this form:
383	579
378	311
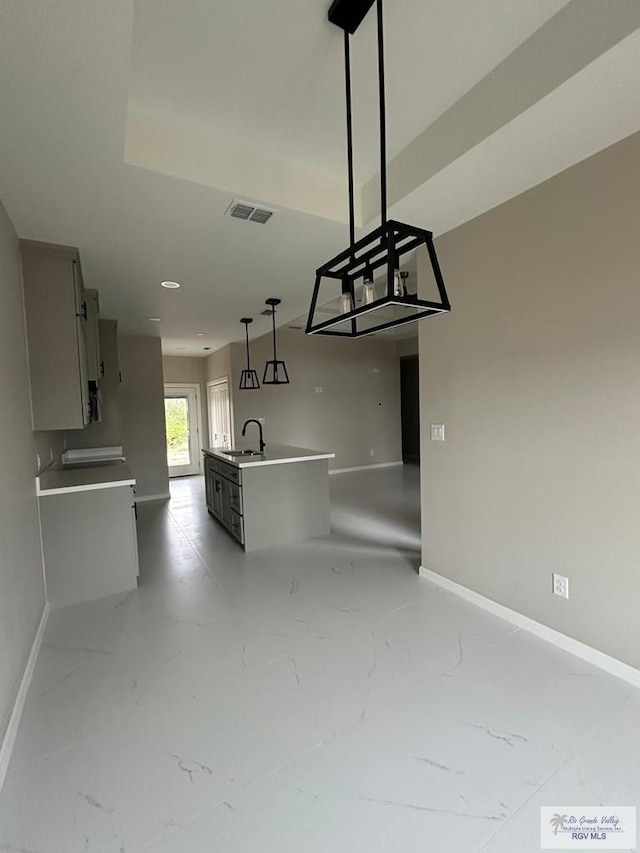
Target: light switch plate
437	432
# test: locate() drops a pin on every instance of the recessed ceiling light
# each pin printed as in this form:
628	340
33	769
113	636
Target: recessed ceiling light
199	334
172	285
153	319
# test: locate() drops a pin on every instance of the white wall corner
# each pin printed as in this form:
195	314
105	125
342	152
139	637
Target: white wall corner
587	653
11	733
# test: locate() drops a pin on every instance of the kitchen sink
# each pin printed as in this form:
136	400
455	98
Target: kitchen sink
242	453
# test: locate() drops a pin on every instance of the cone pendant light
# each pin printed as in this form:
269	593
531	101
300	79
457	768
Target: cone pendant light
248	378
275	370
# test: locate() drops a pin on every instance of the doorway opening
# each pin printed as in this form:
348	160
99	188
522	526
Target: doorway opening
410	408
220	417
182	419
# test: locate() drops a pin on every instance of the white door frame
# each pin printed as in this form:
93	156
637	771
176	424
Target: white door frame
194	439
221	380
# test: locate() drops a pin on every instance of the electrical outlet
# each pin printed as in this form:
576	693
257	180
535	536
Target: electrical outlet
437	432
560	585
319	389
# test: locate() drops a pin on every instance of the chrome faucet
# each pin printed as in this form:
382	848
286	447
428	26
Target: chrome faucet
255	421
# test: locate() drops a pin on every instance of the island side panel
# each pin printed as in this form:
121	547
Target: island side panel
89	545
285	503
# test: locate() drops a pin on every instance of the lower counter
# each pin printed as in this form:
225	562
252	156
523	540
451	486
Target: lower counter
266	505
89	541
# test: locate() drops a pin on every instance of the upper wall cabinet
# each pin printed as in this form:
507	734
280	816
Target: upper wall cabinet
63	395
92	336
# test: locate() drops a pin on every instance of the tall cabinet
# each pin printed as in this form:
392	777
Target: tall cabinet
64	382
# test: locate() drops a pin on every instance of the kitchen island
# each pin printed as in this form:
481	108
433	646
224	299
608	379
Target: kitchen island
269	497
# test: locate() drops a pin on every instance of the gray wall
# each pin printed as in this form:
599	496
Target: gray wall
22	594
218	364
358	410
142	413
190	371
408	346
536	375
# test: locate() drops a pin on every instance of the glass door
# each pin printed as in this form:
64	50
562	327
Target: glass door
181	420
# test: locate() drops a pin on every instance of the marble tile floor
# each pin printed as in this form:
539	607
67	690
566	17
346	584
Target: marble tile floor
313	698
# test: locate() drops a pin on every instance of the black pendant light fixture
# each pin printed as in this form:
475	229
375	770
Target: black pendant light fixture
363	289
275	371
248	378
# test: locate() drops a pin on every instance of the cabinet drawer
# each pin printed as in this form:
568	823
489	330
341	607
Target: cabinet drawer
211	464
230	472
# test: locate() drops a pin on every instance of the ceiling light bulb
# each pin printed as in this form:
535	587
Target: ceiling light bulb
346	304
199	334
171	285
397	283
368	290
153	319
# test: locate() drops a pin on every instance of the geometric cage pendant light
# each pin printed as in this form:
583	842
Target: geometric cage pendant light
275	370
365	289
248	378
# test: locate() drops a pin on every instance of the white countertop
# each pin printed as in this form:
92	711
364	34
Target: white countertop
273	454
60	481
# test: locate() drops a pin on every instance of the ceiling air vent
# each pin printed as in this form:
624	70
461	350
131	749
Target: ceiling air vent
249	212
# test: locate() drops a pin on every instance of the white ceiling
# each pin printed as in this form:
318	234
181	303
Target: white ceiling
271	75
127	129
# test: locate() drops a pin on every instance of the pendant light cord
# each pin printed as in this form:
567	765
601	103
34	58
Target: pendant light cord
347	76
273	318
383	119
246	329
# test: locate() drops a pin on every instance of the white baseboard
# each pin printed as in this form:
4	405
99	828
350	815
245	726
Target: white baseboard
142	498
587	653
18	706
366	467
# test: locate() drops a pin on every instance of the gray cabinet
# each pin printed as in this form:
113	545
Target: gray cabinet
208	482
107	431
56	313
263	505
223	489
92	335
218	501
